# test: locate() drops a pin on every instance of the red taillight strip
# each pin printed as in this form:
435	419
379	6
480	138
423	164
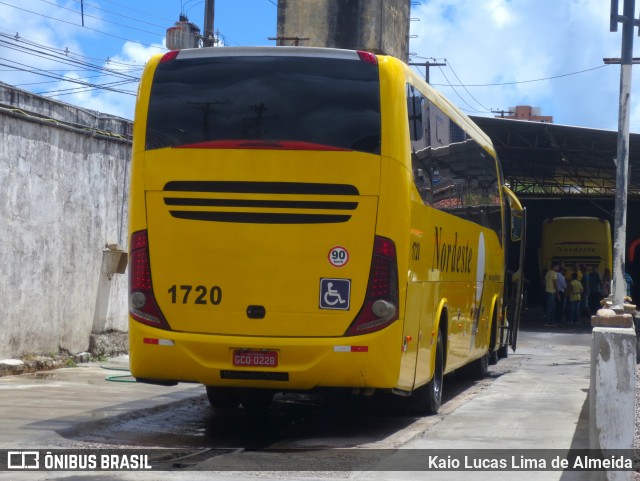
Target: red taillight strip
384	247
368	57
140	283
382	286
167	57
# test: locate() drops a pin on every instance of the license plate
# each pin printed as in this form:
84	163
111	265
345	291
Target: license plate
247	357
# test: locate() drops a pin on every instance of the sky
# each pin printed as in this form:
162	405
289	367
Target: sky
498	53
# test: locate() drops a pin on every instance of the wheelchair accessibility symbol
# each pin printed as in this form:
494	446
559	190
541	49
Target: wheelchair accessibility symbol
335	294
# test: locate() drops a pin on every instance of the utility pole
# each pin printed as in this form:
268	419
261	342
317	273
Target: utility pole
622	159
209	39
426	66
502	112
296	40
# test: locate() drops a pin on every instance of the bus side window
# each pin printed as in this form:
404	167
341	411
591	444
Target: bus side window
414	108
466	184
418	118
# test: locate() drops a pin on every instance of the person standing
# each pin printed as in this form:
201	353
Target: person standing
606	284
628	281
595	289
575	294
561	299
551	291
585	313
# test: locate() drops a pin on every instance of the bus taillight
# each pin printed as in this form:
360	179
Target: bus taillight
142	303
380	306
368	57
167	57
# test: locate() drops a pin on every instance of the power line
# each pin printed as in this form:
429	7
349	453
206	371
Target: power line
63	59
458	94
75	90
427	67
48	81
120	15
524	81
66	52
127	7
467	90
99	18
76	25
38	71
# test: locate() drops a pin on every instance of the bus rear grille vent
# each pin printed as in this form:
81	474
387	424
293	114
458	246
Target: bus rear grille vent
250	216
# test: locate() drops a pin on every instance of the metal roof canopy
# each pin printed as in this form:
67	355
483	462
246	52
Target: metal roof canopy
550	161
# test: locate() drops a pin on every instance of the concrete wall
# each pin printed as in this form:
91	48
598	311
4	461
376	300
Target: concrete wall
374	25
63	184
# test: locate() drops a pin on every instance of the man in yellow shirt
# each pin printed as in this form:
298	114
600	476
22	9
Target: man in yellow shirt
575	294
552	296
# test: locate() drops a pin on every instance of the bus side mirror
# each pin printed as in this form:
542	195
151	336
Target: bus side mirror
517	214
516	227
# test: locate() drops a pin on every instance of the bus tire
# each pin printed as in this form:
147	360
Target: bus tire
493	358
477	369
223	398
503	352
427	399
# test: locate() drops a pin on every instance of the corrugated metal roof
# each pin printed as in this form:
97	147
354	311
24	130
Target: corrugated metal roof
550	160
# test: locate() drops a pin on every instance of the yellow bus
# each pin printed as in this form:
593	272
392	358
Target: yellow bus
306	218
582	241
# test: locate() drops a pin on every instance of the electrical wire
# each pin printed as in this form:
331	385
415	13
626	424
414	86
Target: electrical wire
457	93
66	52
99	18
37	71
525	81
86	4
75	90
128	7
76	25
63	59
466	89
50	81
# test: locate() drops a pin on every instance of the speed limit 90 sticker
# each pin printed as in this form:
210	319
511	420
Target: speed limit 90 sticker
338	256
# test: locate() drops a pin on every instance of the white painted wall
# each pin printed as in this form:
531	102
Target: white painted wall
62	200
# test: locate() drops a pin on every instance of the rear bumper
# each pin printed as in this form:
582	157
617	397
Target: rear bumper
369	361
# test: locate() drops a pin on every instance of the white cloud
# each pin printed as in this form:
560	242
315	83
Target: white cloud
511	42
506	42
130	61
46	29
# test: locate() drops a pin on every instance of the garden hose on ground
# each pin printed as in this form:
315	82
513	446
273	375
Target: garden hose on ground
119	378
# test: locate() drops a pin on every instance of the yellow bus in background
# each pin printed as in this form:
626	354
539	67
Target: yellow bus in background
582	241
306	218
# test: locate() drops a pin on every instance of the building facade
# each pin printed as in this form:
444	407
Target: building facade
380	26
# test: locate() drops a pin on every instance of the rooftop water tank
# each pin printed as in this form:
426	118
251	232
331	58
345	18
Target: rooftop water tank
183	34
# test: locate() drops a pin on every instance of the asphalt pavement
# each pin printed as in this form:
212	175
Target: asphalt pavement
541	404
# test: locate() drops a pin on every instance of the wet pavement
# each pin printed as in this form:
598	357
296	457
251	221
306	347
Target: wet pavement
534	399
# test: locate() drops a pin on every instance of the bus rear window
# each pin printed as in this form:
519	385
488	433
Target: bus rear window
325	103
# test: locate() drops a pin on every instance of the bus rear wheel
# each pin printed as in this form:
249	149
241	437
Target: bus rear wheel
427	399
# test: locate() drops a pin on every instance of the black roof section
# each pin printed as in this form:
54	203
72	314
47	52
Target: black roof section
550	160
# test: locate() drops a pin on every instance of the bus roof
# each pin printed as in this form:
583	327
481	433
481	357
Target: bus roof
267	52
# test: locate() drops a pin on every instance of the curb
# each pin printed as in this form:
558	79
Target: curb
14	367
110	343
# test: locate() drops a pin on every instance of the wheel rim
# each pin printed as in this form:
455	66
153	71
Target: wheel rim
437	375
